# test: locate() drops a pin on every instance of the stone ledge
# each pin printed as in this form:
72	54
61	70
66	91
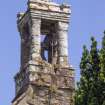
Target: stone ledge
49	7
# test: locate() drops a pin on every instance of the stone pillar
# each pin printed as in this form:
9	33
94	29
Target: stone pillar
22	51
35	47
62	43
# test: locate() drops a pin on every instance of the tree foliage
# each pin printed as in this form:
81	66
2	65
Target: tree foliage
91	88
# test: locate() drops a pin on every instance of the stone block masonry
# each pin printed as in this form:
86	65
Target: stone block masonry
45	77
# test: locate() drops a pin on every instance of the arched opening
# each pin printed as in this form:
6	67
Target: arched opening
49	41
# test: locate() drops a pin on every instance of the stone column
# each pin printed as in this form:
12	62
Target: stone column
35	47
22	47
62	43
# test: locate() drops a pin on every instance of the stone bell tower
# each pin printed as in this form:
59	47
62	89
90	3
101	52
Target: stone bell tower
45	77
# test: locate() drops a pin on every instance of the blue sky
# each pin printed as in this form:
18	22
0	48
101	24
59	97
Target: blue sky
88	19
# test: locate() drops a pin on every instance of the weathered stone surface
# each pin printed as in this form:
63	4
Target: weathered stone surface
45	77
43	96
49	6
63	44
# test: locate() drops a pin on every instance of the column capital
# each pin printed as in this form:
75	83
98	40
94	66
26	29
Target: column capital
63	26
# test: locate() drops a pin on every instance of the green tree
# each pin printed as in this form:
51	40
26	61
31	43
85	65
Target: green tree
83	86
102	72
94	79
91	88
